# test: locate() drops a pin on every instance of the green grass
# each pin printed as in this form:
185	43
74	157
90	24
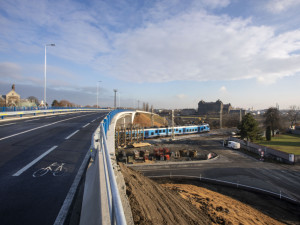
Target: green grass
285	142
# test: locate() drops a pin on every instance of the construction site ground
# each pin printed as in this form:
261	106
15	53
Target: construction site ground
167	201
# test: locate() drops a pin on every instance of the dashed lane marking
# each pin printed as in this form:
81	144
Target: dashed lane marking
86	125
34	162
47	125
71	134
30	120
7	124
93	121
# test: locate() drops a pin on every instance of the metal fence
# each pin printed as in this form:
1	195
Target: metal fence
268	152
279	194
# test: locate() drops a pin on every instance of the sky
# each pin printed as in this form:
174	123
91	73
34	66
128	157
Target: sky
168	53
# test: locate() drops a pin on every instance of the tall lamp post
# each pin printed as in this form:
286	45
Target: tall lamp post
115	101
97	92
45	72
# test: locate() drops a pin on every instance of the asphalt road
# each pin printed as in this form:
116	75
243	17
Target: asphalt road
233	166
26	146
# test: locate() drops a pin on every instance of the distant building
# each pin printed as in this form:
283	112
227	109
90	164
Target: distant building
12	98
187	112
2	101
238	111
205	108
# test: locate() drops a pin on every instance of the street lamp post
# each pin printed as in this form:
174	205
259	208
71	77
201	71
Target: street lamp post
115	101
45	72
97	92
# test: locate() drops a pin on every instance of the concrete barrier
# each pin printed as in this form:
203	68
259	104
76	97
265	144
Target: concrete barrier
97	204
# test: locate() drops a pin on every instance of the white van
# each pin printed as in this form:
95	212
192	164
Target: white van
234	145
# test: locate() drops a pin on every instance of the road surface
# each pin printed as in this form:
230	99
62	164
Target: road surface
233	166
28	193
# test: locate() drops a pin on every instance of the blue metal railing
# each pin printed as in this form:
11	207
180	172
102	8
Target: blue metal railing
109	117
13	109
114	201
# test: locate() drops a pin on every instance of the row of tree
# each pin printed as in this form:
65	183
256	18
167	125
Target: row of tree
249	127
62	103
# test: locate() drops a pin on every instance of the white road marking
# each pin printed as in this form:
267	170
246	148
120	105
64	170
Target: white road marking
23	132
30	120
71	134
63	212
7	124
86	125
93	120
34	161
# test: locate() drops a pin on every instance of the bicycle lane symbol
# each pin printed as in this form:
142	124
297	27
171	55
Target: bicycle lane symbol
55	168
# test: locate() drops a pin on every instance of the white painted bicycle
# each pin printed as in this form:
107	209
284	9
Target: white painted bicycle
56	169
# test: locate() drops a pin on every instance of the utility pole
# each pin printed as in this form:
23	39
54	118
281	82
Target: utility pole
98	93
221	115
240	115
115	102
138	104
173	131
152	118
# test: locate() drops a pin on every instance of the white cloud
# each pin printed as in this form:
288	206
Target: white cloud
9	70
223	89
181	96
278	6
166	43
199	46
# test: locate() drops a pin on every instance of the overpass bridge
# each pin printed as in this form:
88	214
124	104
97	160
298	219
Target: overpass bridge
44	156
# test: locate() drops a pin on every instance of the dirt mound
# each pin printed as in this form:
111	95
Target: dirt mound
172	203
220	208
145	120
151	203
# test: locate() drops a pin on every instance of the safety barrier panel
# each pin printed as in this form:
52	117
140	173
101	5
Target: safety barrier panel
114	201
232	184
101	200
45	111
13	109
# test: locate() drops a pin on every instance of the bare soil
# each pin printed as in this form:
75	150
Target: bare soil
152	203
171	202
144	120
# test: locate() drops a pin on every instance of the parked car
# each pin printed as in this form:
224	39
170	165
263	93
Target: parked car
234	145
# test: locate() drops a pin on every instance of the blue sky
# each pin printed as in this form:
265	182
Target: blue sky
169	53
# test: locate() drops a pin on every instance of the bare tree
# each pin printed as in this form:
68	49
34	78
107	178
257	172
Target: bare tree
293	114
66	103
272	119
33	99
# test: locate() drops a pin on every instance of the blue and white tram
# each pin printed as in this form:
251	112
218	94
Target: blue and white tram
161	132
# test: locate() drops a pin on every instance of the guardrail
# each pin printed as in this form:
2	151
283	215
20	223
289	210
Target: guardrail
114	201
232	184
45	111
101	200
13	109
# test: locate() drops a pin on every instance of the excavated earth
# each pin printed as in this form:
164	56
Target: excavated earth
170	202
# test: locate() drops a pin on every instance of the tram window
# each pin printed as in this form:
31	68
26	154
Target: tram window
152	133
